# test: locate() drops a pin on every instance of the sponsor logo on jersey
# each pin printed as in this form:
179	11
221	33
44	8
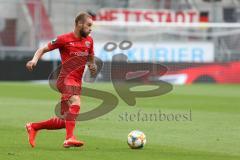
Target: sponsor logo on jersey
79	53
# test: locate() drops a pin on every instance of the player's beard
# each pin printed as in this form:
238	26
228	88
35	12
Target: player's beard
83	34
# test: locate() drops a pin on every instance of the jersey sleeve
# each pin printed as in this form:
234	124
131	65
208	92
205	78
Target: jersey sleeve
56	43
91	51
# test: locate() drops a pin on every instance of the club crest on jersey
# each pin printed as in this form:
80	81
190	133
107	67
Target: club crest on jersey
54	41
87	43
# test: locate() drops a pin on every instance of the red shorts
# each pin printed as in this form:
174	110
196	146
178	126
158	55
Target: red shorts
69	87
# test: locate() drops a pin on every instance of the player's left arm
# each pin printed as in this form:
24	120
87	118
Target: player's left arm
91	61
91	65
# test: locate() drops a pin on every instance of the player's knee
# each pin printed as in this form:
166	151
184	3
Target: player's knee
75	100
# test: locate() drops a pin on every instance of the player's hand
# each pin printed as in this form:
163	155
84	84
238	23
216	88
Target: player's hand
31	65
93	69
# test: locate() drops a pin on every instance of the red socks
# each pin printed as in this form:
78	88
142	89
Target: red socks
71	120
57	123
51	124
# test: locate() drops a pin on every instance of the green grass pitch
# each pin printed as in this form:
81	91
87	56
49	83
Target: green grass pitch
211	133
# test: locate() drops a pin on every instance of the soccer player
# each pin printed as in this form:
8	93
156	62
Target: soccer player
76	50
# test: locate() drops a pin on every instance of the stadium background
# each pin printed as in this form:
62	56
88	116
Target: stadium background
197	40
192	53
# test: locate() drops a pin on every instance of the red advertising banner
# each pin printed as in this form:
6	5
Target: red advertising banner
144	15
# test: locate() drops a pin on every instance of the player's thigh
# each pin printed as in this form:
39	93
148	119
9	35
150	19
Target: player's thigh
75	100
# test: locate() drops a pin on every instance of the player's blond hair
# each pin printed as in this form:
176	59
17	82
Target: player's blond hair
81	17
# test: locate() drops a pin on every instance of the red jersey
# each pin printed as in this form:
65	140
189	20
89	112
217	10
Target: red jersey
74	55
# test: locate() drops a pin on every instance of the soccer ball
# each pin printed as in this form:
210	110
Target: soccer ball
136	139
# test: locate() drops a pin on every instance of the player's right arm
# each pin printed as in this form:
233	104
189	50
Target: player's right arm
38	54
54	44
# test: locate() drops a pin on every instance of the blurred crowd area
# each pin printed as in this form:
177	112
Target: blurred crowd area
27	24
